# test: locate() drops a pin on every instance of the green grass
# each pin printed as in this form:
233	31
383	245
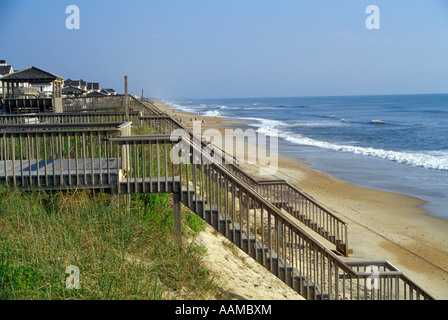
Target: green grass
120	253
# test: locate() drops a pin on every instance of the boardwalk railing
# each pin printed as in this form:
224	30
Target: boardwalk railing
70	117
89	104
55	156
257	216
273	237
104	155
302	207
108	103
279	192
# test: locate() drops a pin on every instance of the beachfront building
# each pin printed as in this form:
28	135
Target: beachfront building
73	92
93	87
31	90
80	84
4	71
109	92
84	86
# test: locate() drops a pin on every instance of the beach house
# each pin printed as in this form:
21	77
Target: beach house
4	71
80	84
109	92
73	92
32	90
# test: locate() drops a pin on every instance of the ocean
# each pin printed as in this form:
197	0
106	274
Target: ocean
396	143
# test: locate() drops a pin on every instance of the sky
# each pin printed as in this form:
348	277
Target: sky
178	49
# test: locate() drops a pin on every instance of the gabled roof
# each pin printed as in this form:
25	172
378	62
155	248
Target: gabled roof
108	90
31	74
5	70
96	94
72	89
75	83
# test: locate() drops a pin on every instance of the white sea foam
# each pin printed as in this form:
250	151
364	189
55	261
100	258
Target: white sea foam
212	113
430	160
318	124
178	106
266	122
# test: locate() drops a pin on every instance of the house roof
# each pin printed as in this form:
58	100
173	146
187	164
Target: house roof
31	74
70	82
96	94
93	86
5	70
108	90
72	89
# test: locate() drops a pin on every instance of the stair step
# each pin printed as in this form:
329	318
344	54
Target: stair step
255	248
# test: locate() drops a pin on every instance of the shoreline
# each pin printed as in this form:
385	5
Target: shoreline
382	225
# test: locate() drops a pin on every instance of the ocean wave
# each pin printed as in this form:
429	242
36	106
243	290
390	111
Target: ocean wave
318	124
227	108
260	108
429	160
178	106
211	113
266	123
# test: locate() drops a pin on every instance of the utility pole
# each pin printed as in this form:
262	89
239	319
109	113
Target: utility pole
126	98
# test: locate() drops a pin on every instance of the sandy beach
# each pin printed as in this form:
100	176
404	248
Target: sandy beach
382	225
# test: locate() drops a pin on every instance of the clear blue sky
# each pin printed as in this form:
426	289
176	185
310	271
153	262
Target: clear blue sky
234	48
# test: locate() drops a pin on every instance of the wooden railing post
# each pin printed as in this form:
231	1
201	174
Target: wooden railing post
125	129
126	98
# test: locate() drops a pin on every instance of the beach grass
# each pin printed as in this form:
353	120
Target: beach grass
121	253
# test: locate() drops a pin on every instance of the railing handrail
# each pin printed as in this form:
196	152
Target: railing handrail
286	217
67	113
342	236
64	125
151	106
294	224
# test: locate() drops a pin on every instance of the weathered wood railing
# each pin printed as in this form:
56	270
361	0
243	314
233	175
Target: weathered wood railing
55	156
103	155
146	106
308	211
108	103
279	192
272	237
70	117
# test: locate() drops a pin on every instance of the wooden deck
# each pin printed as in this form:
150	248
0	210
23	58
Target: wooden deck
60	173
261	218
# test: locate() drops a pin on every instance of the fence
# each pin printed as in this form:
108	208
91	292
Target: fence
54	156
70	117
246	211
272	237
108	103
279	192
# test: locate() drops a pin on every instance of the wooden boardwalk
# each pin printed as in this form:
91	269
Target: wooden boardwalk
246	211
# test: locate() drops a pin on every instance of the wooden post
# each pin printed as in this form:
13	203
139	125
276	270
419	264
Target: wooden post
176	211
126	98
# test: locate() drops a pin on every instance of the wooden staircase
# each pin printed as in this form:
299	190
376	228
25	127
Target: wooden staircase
256	249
